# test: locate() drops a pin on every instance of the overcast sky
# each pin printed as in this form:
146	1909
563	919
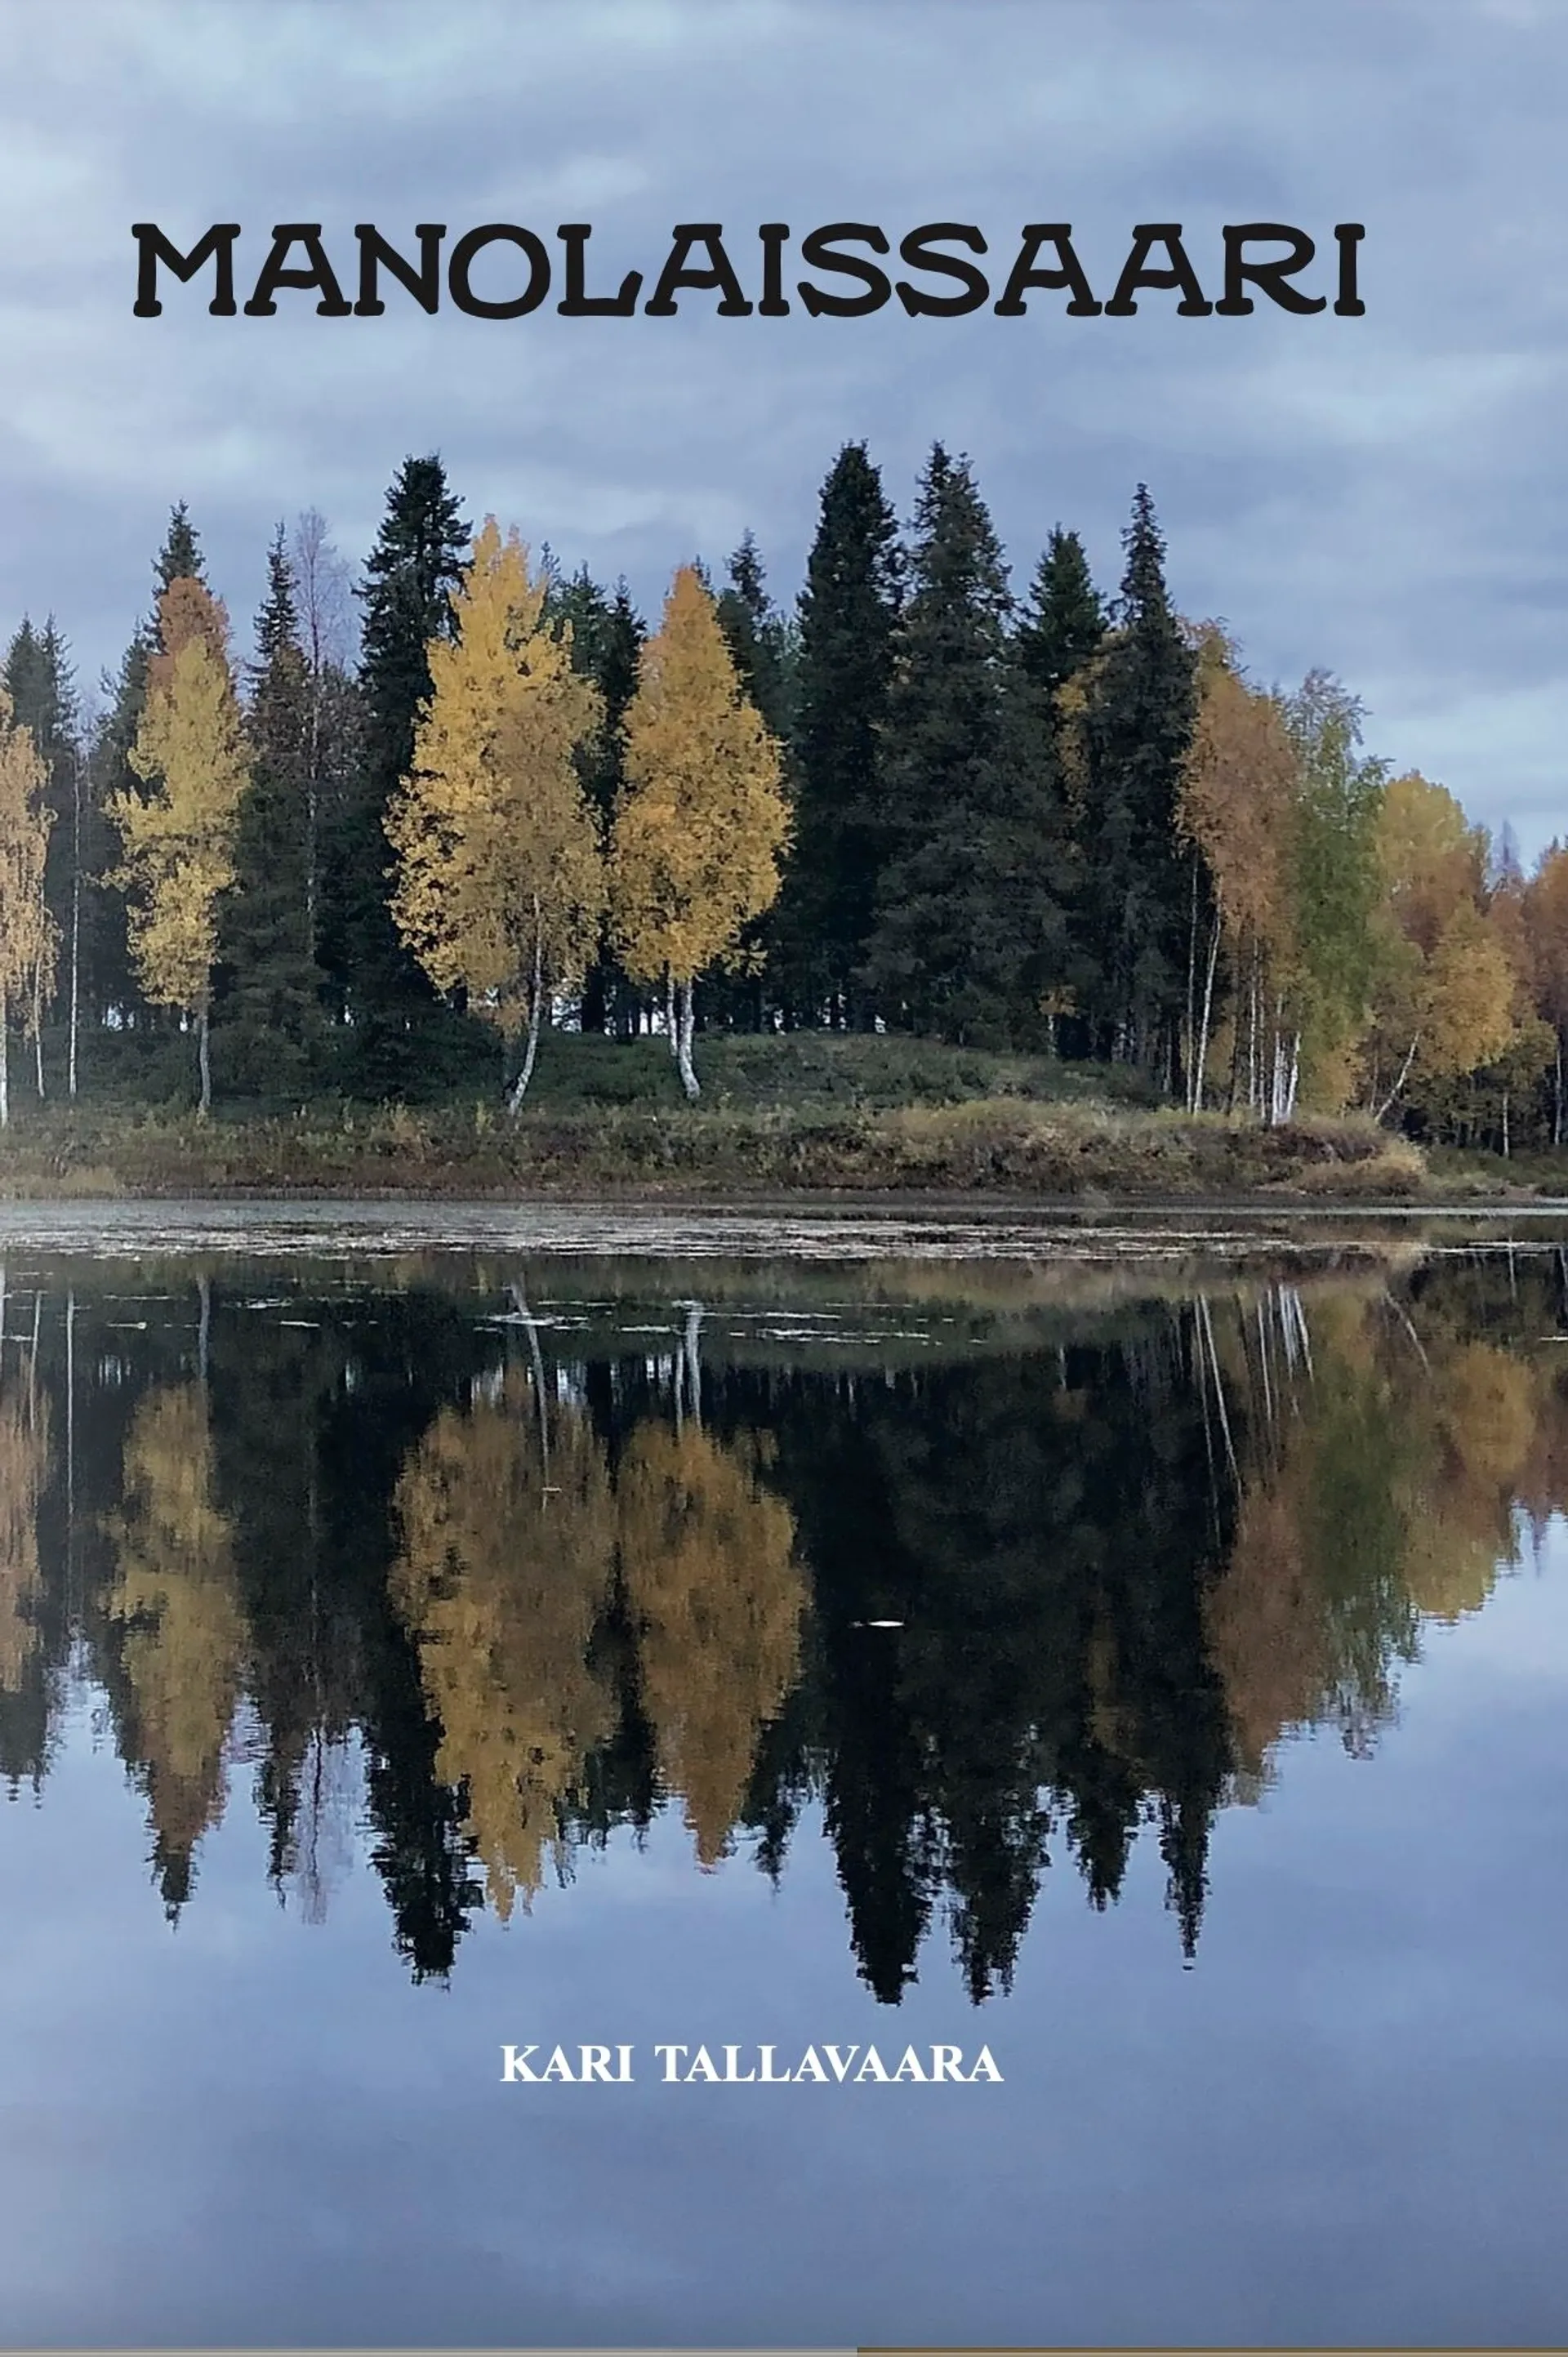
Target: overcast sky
1383	496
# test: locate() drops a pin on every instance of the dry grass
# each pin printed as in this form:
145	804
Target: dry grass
1085	1151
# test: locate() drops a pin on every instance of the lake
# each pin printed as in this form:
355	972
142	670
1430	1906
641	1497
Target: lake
1138	1654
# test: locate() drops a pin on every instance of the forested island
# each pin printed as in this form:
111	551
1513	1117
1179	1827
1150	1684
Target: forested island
471	876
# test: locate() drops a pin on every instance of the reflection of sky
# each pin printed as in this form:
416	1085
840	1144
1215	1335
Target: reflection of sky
1383	496
1348	2123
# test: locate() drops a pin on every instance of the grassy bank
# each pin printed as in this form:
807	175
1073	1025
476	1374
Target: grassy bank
806	1114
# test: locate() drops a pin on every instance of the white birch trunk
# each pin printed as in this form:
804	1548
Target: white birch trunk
689	1080
75	938
691	1358
1200	1062
535	1015
5	1062
1254	1092
1404	1076
204	1060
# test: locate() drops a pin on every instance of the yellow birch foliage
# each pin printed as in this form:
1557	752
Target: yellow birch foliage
179	840
27	929
499	853
708	1558
176	1600
1546	930
508	1546
1236	787
1469	997
703	819
1447	985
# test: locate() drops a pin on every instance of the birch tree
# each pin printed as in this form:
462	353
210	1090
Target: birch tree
1238	788
499	887
1446	986
27	936
179	838
702	823
1334	888
1546	931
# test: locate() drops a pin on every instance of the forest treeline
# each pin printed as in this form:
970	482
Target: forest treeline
473	796
492	1591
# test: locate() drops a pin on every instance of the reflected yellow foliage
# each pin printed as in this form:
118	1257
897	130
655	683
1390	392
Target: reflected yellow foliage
508	1544
1388	1481
708	1558
183	1629
1265	1626
23	1471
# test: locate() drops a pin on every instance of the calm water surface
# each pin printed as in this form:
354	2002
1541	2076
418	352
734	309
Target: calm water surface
1154	1671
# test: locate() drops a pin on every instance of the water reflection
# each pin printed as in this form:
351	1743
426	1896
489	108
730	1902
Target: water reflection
493	1562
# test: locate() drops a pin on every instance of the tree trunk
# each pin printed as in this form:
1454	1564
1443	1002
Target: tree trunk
535	1013
1404	1076
689	1081
75	932
1557	1102
1195	1094
5	1063
1254	1092
672	1022
312	799
39	1036
1505	1124
1189	1043
204	1062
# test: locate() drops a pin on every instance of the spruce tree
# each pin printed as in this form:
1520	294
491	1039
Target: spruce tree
1144	901
763	648
111	991
760	640
271	1036
180	558
848	610
965	903
417	559
1063	622
607	638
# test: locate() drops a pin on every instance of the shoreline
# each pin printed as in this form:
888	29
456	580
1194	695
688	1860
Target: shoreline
913	1228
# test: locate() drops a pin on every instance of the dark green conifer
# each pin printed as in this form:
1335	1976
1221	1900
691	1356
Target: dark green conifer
1063	622
270	1028
760	639
417	560
607	637
1136	916
966	902
848	610
181	558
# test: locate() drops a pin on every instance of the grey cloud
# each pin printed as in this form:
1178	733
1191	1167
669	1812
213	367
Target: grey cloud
1383	496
